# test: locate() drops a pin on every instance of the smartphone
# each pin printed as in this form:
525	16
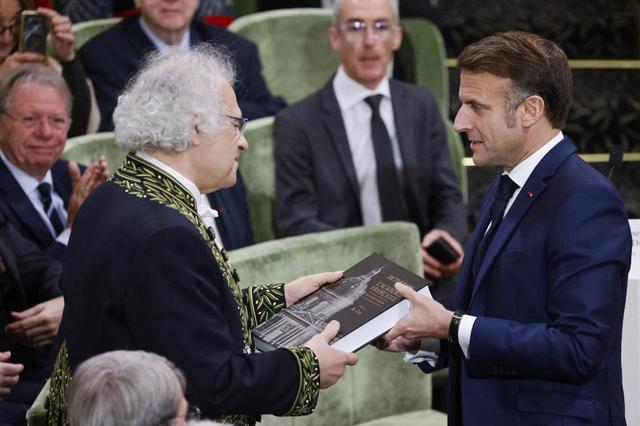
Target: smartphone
442	251
33	32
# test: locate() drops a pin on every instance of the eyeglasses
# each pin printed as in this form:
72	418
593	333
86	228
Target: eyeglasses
239	122
57	122
356	30
193	413
12	27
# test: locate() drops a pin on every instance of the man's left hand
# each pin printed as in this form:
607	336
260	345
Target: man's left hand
304	286
432	267
38	325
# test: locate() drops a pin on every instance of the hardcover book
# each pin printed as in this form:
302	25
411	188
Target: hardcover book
364	301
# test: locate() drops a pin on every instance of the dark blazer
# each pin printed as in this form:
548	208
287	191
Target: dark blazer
549	297
18	210
111	58
152	283
233	221
316	186
27	277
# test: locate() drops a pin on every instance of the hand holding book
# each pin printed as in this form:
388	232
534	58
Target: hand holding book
332	361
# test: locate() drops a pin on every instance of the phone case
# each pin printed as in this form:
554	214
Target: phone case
33	32
442	251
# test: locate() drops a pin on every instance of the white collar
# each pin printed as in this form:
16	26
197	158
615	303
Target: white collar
203	210
160	44
27	182
349	92
521	172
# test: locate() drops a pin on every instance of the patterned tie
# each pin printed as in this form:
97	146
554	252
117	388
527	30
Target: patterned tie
392	201
47	203
506	188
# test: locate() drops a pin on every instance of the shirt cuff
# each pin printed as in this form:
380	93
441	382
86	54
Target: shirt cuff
429	352
464	333
63	238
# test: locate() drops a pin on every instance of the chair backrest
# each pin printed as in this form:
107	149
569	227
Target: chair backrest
422	59
457	155
381	384
294	49
86	149
258	171
84	31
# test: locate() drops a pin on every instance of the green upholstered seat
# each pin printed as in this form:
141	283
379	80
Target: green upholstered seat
84	31
457	155
37	414
381	384
258	171
422	59
86	149
294	49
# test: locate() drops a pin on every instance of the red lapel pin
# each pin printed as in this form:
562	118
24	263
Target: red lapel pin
530	194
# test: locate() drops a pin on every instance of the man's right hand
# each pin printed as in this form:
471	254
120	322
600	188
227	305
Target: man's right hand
332	361
9	373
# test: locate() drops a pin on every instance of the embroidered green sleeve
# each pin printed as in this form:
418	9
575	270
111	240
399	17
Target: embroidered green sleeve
57	400
263	302
309	386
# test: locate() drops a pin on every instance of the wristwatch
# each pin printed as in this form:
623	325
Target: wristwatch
454	326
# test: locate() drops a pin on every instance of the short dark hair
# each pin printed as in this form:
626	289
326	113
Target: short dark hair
535	65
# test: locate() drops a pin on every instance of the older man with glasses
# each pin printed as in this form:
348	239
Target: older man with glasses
40	193
143	271
367	149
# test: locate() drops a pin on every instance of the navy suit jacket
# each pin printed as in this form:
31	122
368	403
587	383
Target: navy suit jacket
233	223
27	277
111	58
18	210
166	294
316	184
549	299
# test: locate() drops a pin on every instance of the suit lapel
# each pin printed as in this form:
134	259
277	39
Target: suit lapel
530	192
402	105
332	120
21	206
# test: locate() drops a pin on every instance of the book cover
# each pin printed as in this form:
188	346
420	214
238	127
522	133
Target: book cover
364	301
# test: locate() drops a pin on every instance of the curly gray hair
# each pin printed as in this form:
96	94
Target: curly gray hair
173	92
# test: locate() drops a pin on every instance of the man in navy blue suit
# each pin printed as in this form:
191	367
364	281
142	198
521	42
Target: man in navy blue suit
113	57
30	311
536	336
39	193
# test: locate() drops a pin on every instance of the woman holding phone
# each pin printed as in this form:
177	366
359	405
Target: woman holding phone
85	114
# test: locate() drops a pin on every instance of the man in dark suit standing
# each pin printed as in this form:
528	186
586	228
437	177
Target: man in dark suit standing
113	57
365	148
157	278
39	192
30	311
537	334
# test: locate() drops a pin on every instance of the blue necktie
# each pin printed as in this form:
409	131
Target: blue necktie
47	203
506	188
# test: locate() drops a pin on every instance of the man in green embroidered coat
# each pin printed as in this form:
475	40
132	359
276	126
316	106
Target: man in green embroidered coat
143	270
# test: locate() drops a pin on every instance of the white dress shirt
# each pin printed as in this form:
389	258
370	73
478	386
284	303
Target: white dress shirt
29	186
203	206
429	350
356	115
161	45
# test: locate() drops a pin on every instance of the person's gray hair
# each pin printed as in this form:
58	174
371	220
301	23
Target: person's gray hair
134	388
37	74
173	92
337	4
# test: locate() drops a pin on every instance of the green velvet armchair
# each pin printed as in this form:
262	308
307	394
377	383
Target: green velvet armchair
381	389
86	149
